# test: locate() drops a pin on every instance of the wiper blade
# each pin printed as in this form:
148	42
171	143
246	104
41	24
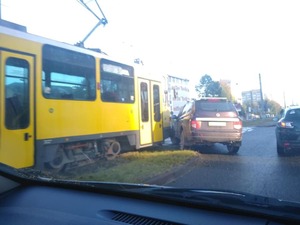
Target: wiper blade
242	202
227	200
213	196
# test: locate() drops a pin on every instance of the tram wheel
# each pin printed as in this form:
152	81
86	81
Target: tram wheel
58	162
111	149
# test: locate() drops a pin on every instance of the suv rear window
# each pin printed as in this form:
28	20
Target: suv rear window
214	106
293	114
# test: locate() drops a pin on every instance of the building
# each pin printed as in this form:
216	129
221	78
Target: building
253	96
176	88
252	99
178	92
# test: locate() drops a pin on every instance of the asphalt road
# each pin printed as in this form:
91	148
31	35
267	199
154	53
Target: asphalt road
255	169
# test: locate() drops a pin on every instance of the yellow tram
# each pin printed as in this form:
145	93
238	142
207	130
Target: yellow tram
62	105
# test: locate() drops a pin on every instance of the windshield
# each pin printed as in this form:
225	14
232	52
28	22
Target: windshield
110	95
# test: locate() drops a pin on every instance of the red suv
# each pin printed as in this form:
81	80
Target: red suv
208	121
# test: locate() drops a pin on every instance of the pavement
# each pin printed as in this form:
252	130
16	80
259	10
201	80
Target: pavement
172	175
267	124
176	172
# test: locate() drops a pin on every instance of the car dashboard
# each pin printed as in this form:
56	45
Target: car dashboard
38	203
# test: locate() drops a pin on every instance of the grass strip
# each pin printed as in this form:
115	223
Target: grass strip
137	167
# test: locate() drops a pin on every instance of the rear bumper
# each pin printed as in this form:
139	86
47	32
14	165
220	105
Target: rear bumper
288	139
286	143
217	137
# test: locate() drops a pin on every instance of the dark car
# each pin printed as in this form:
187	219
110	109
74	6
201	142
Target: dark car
208	121
288	130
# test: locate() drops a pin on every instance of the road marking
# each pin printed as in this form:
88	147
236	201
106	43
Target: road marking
247	129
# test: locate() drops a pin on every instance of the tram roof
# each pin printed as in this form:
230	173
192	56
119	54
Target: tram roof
44	40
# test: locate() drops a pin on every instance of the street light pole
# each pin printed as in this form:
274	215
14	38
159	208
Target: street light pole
261	95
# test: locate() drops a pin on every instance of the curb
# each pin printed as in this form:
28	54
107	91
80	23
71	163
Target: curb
263	125
267	125
174	173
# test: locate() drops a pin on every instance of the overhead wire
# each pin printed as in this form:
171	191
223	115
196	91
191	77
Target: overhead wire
89	9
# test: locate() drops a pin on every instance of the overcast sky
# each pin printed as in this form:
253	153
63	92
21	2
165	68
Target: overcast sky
226	39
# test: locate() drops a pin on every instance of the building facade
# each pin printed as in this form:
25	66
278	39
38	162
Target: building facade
252	99
178	92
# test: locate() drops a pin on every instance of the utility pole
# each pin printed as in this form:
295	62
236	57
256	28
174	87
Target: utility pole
261	95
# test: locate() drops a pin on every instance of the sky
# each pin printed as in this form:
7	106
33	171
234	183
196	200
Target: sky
233	39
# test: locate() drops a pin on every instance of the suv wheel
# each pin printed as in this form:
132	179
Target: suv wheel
232	149
175	140
182	142
280	150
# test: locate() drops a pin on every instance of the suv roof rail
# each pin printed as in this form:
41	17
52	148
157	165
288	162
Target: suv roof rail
221	98
214	97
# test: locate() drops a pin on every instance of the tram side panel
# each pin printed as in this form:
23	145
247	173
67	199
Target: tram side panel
66	95
81	106
81	114
118	103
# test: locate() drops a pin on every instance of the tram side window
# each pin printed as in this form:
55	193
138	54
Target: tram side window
68	74
116	82
144	101
156	100
16	93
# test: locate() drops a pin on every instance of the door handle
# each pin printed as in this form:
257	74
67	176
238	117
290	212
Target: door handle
27	136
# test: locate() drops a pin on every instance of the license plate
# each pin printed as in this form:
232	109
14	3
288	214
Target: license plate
217	124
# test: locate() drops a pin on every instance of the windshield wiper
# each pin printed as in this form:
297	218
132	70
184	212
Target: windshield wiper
196	196
242	202
227	200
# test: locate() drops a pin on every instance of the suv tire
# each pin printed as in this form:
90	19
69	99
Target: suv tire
232	149
175	140
182	142
280	150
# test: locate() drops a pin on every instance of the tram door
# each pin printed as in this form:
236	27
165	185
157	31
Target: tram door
156	108
16	109
145	112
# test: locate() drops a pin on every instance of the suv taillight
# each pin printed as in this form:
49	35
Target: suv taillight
237	124
196	124
286	124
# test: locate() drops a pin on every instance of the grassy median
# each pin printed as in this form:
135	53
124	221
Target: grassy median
259	122
136	167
